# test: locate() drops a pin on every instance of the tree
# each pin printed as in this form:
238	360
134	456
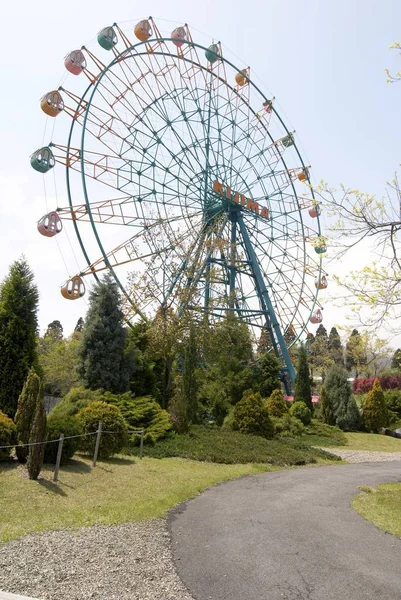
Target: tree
37	435
396	360
340	400
178	407
355	353
375	415
250	416
327	408
26	412
320	357
189	375
58	360
102	359
80	325
302	392
267	375
336	350
54	330
18	325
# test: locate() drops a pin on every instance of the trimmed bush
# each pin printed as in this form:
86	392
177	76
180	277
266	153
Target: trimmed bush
374	409
112	420
300	411
276	405
250	416
26	412
55	427
76	399
8	435
287	426
142	413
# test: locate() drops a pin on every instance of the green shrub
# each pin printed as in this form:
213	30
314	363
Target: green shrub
228	422
276	405
348	417
76	399
323	434
55	427
112	421
392	399
8	435
300	411
327	407
374	409
37	435
287	426
142	412
250	416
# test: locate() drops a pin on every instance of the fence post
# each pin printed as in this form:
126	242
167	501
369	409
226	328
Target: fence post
99	435
141	445
58	459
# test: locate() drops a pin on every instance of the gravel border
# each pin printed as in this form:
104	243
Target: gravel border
120	562
361	456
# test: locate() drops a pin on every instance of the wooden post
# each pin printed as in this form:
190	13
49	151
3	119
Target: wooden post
141	445
99	435
58	459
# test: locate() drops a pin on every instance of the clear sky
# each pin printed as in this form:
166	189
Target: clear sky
323	61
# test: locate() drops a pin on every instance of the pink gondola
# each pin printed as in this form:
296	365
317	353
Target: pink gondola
50	224
317	317
73	288
75	62
179	36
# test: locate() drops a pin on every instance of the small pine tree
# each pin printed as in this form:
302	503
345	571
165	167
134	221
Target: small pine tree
26	413
302	381
348	417
38	434
268	375
339	396
250	416
103	362
375	414
276	405
327	408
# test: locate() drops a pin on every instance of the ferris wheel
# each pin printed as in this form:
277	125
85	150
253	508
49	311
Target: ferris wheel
195	192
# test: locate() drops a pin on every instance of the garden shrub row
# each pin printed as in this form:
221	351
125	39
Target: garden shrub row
365	384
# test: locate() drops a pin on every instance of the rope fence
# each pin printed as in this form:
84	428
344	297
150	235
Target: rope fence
99	432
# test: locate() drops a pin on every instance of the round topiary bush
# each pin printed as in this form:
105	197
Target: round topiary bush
8	435
300	411
112	421
250	416
276	405
55	427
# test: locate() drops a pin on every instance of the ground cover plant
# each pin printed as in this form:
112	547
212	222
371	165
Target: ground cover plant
119	490
372	442
213	444
382	506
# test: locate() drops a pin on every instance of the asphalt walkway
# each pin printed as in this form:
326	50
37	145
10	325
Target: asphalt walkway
288	535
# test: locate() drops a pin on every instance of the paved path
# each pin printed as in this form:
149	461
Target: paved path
289	535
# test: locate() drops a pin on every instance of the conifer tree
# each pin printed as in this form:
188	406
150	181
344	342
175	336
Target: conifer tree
267	375
38	434
375	414
336	350
102	359
339	395
302	381
54	330
26	413
327	408
18	325
276	405
320	356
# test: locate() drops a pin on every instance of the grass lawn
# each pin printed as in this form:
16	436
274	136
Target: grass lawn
116	491
381	506
372	441
221	446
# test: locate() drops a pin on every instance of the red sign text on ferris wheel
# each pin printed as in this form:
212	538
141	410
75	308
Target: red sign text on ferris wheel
237	198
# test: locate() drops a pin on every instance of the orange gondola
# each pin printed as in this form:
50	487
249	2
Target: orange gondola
73	288
52	103
242	77
321	284
143	30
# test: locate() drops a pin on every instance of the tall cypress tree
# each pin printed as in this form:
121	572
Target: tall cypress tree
19	299
302	381
336	349
103	361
